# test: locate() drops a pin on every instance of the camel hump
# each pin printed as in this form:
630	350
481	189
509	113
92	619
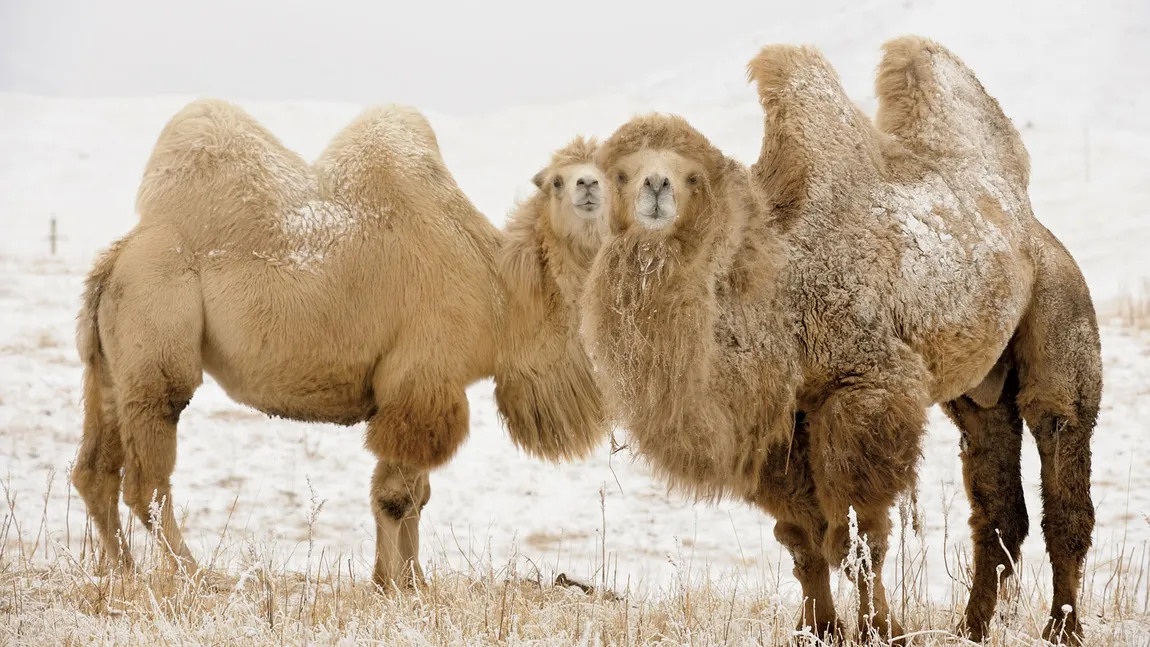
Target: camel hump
212	157
383	155
933	103
815	139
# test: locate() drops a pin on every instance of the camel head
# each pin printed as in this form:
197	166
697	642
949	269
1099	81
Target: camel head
576	191
665	176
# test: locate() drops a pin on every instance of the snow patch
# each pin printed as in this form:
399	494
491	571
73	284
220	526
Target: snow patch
314	229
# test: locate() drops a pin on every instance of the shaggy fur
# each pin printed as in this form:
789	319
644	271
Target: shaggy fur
361	288
781	338
548	250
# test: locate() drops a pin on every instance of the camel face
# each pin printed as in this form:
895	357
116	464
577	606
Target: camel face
657	186
579	191
578	199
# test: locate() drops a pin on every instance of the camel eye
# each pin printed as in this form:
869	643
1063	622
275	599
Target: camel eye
693	180
557	183
621	178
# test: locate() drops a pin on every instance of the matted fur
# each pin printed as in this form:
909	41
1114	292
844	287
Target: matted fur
652	320
361	287
781	339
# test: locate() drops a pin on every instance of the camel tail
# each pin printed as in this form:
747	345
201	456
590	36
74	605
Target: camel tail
933	103
87	322
815	139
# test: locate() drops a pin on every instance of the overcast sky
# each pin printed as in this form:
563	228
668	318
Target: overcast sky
458	57
480	56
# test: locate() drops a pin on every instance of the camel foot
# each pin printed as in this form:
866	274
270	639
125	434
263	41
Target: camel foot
972	629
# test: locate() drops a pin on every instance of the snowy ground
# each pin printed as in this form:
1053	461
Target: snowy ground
79	161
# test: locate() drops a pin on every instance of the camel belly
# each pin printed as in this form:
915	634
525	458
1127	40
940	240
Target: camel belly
289	358
962	283
960	347
307	396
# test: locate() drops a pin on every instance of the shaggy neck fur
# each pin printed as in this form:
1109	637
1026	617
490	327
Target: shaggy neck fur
685	331
544	385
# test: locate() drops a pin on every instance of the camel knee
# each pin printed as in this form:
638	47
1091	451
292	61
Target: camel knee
1068	530
862	546
139	494
148	467
804	549
399	491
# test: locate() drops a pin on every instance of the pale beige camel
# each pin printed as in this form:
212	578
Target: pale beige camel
551	240
778	334
364	287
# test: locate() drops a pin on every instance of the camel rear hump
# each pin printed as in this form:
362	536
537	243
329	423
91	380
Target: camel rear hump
387	157
212	159
934	104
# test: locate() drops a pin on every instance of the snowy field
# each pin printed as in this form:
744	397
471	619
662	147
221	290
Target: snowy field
1083	114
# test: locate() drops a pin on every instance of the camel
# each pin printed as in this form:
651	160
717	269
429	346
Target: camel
363	287
778	333
551	240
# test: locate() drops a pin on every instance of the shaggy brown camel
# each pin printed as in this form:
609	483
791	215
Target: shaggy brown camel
778	335
364	287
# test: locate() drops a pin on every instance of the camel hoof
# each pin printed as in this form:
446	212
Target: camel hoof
971	629
106	566
405	584
885	630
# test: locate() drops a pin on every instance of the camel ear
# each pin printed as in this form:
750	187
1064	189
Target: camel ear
539	179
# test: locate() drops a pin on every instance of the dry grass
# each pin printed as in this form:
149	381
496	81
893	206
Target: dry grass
1132	310
50	595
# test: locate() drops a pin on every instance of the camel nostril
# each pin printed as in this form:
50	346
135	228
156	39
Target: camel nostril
657	182
581	182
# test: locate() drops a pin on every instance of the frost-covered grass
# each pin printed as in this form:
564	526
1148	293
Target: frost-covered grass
51	595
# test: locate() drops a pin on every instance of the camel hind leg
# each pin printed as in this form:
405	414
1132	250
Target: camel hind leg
151	327
96	474
1058	353
991	454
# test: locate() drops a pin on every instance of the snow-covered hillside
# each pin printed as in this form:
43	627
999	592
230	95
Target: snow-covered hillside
1070	81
